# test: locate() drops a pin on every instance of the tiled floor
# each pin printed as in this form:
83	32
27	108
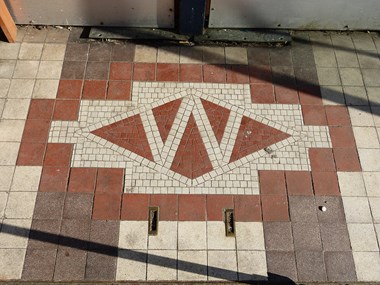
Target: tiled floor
92	134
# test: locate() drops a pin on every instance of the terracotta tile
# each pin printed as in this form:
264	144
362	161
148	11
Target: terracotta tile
36	131
260	74
247	208
73	70
69	89
310	95
314	115
31	154
66	110
262	93
168	206
190	73
321	159
325	183
41	109
119	90
298	183
106	206
275	208
214	73
342	137
216	204
110	180
144	71
54	179
123	52
192	207
135	207
76	52
82	180
78	206
58	154
286	95
337	116
346	159
167	72
272	182
49	206
120	71
97	70
94	89
99	52
237	74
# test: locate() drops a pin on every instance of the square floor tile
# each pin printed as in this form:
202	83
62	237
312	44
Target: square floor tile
45	89
375	208
168	204
134	207
365	272
278	236
302	209
371	77
351	76
44	234
366	137
281	266
26	69
214	55
53	52
190	73
214	73
124	51
8	154
133	235
192	265
298	183
192	236
76	51
372	183
78	206
50	70
106	206
332	95
192	207
169	54
306	236
250	236
73	69
355	96
70	264
31	154
321	159
342	137
236	55
6	177
278	202
247	208
20	205
325	183
30	51
252	265
222	266
145	53
357	210
41	109
49	206
216	237
66	110
361	116
21	88
351	184
166	237
94	89
363	237
11	130
26	178
100	266
119	90
272	182
3	203
120	71
334	209
58	154
82	180
16	109
190	55
104	233
338	116
335	237
162	265
310	266
6	68
347	159
36	131
340	266
39	264
11	263
131	265
328	76
14	233
369	159
373	96
4	87
9	51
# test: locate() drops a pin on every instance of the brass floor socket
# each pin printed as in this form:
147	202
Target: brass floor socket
229	221
153	220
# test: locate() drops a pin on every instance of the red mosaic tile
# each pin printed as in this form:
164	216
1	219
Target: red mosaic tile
310	95
342	137
262	93
275	208
247	208
346	159
54	179
216	204
214	73
191	159
325	183
120	71
66	110
144	71
253	136
119	90
106	206
168	204
218	117
321	159
69	89
298	183
192	207
337	116
135	207
110	180
41	109
94	89
129	134
314	115
167	72
272	182
165	115
36	131
190	73
31	154
82	180
58	154
286	95
260	74
237	74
